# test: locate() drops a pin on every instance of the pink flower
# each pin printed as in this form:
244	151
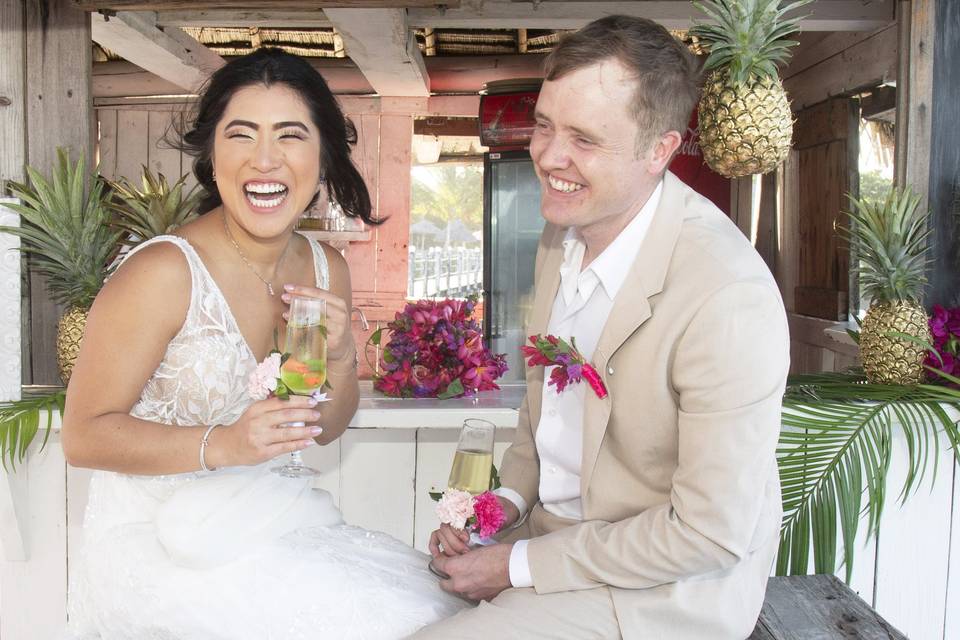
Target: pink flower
263	379
455	508
489	512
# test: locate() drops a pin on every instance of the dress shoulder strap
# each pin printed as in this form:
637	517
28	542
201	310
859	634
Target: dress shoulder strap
320	265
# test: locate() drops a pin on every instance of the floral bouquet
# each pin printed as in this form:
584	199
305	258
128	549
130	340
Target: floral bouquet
944	357
481	515
569	366
436	350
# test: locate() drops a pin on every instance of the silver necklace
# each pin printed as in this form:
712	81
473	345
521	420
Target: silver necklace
247	262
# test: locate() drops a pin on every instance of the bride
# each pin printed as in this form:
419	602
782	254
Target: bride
187	533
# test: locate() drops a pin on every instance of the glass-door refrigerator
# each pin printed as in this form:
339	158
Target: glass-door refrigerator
512	227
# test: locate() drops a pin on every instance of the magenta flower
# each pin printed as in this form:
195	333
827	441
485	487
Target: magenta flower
436	350
945	355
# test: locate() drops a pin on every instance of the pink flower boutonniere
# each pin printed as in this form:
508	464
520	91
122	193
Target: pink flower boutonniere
569	365
481	514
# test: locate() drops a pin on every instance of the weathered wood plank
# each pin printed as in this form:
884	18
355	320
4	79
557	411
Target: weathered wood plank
58	115
133	134
13	130
107	148
160	156
867	64
818	607
166	5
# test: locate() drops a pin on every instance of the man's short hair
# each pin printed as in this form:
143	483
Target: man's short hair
667	73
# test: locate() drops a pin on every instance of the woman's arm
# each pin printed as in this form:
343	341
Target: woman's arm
344	391
131	322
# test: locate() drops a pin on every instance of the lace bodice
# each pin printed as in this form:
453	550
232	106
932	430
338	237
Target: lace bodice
202	377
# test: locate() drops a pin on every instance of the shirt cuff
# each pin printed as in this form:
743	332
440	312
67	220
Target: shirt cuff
515	498
519	566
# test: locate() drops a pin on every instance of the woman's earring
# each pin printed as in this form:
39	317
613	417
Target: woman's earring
214	176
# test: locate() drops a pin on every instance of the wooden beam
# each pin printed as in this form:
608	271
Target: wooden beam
13	74
258	5
384	48
259	17
171	54
868	64
824	15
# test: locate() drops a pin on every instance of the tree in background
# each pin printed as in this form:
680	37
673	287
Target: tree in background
442	193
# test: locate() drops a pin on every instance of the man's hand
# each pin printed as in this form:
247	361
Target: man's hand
479	574
451	542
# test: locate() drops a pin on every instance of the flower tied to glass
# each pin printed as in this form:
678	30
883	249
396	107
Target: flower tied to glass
266	381
479	515
569	366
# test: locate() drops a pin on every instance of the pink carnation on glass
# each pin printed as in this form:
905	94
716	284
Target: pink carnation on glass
263	380
455	508
490	516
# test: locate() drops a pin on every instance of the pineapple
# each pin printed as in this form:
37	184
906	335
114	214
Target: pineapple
890	240
745	120
155	209
65	232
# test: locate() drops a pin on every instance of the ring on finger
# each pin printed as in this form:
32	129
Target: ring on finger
440	546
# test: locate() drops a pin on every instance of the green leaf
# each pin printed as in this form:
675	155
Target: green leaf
435	495
494	478
375	337
453	390
20	423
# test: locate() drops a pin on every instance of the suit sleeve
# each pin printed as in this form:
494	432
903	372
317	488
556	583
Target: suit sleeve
729	372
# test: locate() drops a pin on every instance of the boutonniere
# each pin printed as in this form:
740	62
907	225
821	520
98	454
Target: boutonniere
480	515
570	366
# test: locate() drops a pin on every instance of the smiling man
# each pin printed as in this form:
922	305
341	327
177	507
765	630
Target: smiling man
652	512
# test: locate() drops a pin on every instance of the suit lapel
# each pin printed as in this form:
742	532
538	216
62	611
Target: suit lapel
631	308
546	286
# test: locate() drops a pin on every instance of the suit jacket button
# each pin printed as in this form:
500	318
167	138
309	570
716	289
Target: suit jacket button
610	370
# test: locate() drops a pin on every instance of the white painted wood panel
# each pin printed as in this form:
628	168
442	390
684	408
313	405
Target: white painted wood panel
35	590
951	623
913	549
377	469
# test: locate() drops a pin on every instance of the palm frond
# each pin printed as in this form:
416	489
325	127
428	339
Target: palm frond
834	453
20	423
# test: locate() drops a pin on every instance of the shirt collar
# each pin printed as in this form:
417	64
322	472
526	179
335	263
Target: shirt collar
612	266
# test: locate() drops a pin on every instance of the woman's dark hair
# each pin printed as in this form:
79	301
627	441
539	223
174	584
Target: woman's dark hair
268	67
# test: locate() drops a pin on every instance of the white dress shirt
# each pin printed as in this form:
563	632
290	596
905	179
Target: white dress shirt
580	311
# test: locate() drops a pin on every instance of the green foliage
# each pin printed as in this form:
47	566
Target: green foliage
153	209
749	37
20	422
456	192
834	453
874	187
65	230
890	240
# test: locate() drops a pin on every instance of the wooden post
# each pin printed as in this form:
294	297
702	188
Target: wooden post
928	130
59	113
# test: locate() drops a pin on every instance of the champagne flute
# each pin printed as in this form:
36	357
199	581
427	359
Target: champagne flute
472	466
474	457
305	369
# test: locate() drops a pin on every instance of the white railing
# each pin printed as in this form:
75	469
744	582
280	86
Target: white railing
444	272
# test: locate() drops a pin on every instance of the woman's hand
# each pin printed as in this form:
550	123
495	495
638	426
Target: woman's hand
259	435
339	336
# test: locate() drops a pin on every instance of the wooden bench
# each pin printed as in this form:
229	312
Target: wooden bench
818	607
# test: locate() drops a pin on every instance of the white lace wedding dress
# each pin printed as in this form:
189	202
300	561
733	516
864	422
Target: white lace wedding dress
241	552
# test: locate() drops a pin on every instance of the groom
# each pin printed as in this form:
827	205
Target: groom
653	512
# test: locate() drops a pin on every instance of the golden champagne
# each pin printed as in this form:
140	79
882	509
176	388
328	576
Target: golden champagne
471	471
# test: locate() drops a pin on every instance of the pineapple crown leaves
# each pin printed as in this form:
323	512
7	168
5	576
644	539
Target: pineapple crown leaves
154	209
747	37
64	230
890	239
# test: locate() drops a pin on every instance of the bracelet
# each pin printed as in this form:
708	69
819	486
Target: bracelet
203	446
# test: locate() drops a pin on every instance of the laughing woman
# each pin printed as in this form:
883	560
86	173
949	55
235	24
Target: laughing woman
187	532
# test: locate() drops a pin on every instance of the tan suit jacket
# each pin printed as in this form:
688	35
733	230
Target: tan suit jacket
680	492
